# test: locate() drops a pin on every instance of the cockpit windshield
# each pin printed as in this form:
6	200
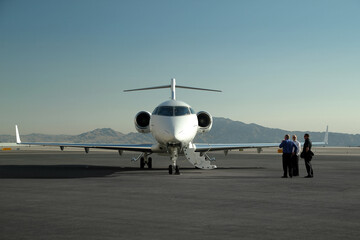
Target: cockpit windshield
180	111
173	111
165	111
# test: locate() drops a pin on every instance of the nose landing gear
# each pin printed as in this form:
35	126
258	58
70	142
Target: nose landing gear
174	156
175	169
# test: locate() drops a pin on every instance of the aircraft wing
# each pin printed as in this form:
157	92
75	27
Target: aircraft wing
86	146
200	147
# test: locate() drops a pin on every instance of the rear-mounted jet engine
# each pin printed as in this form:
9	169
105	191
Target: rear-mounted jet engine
142	122
205	121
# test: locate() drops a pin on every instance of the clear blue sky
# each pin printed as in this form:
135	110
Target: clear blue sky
286	64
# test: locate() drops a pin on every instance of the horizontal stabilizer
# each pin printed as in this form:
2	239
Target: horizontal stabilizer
200	89
149	88
172	86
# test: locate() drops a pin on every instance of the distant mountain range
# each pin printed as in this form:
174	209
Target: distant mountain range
223	131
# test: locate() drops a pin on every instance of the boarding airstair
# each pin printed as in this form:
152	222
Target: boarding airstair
195	158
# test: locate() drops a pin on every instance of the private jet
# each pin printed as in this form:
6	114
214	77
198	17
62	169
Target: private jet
174	125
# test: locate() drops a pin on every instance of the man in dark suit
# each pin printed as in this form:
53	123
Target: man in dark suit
307	154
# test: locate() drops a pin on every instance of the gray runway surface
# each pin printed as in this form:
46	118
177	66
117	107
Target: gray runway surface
71	195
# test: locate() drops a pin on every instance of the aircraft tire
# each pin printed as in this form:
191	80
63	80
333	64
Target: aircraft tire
170	169
142	163
149	163
177	170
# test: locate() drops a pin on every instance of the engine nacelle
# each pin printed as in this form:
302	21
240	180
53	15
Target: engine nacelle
205	121
142	122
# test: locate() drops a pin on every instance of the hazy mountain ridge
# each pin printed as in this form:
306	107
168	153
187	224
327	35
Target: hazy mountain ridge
99	135
223	131
228	131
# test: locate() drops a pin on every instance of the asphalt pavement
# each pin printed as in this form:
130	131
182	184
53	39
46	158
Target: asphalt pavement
101	195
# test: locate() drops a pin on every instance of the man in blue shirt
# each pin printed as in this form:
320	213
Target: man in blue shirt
289	149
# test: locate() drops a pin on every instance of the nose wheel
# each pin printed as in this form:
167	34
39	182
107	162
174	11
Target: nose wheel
174	170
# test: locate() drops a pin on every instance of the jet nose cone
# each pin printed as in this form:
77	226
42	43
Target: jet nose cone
175	136
175	130
179	136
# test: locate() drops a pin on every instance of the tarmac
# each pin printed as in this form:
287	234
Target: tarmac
101	195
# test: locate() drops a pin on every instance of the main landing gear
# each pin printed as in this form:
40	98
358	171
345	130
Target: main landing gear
145	161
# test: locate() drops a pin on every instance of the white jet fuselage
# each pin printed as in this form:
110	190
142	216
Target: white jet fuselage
174	123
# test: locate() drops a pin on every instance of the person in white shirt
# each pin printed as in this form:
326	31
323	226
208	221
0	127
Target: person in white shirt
295	157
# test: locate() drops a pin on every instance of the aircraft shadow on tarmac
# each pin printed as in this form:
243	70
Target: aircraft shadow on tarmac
78	171
59	171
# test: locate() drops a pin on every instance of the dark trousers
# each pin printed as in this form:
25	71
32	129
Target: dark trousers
308	166
286	158
295	164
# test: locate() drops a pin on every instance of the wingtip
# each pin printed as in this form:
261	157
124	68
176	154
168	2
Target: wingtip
18	141
326	138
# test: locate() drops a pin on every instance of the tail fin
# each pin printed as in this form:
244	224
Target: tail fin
18	141
172	86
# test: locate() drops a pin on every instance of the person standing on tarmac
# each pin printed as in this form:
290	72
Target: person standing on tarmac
307	154
288	147
295	157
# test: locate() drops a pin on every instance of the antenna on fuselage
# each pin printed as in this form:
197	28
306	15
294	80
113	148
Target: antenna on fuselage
173	86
